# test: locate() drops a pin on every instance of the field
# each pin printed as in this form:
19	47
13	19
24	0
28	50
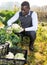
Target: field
39	55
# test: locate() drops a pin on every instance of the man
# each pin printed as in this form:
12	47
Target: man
29	22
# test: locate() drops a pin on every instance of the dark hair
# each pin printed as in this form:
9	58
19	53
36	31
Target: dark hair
25	3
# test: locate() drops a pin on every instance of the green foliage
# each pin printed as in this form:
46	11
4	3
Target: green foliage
14	39
5	15
3	36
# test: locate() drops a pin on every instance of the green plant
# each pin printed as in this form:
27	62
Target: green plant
14	39
3	36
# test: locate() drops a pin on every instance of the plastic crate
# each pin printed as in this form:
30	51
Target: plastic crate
6	61
17	61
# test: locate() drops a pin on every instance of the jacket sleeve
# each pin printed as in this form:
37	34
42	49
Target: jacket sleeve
13	19
34	22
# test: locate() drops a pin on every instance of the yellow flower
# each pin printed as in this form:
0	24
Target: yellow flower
1	25
38	56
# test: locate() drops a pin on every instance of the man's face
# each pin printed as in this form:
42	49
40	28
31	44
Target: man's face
25	10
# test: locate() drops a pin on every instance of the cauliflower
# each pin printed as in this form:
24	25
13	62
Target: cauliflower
19	56
9	30
10	55
16	28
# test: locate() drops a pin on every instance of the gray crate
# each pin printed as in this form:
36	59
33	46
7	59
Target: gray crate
6	61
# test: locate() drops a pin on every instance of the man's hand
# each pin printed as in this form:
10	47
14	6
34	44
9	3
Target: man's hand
23	30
